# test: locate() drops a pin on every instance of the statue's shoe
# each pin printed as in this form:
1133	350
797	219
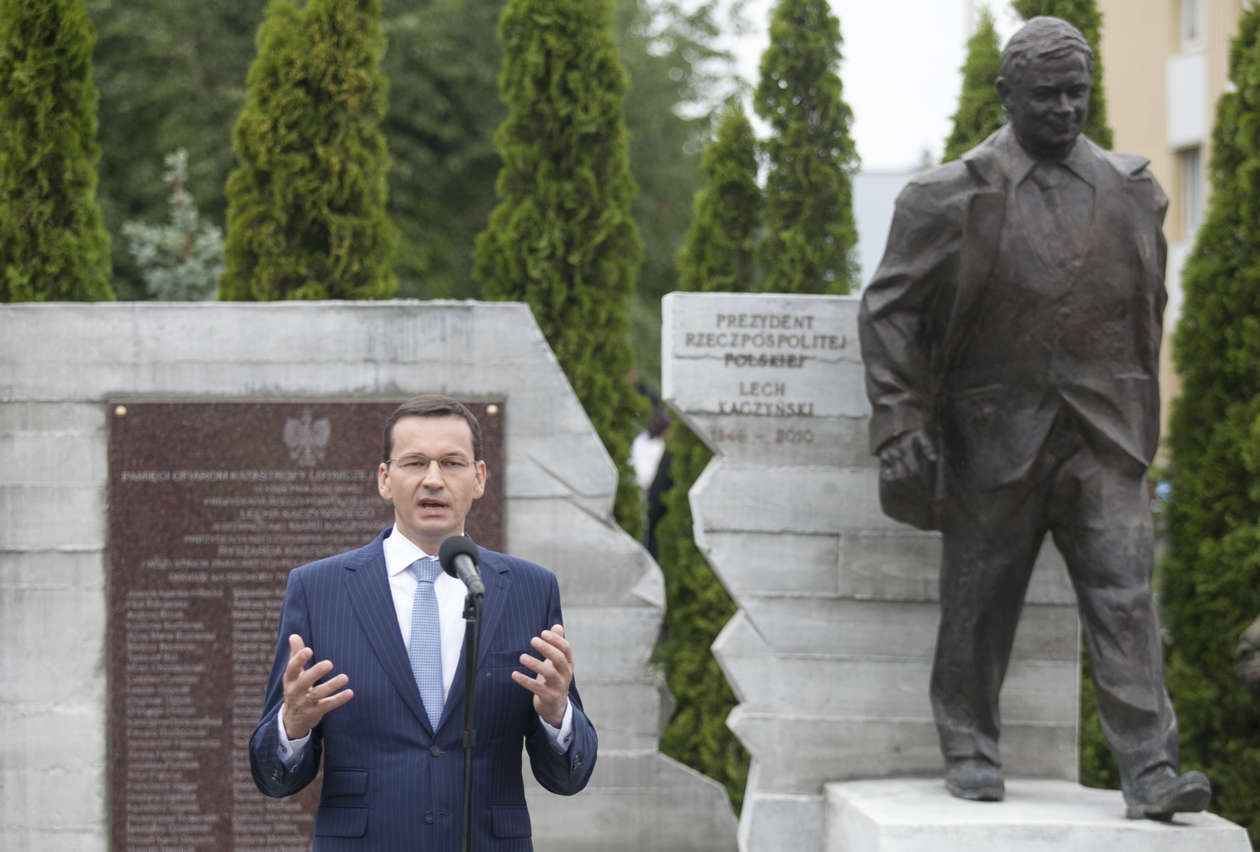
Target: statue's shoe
1167	794
975	779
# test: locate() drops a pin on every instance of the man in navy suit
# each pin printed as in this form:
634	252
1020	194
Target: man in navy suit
393	767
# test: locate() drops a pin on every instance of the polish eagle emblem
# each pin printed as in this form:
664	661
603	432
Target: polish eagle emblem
307	439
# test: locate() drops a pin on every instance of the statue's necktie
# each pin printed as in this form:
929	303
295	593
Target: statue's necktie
1059	215
426	638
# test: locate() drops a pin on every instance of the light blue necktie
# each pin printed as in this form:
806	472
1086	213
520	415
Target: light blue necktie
426	638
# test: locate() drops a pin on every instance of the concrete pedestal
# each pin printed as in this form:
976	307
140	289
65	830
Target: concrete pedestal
1039	815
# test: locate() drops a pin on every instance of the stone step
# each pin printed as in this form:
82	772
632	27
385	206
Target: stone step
636	801
896	564
798	754
914	814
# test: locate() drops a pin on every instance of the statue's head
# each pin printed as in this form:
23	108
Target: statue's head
1047	69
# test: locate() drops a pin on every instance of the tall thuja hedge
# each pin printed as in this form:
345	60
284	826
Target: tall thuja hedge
443	64
718	254
171	76
53	246
1211	574
306	205
1084	15
979	110
562	238
719	250
810	230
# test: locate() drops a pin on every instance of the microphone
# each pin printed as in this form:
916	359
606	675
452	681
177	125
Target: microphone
458	556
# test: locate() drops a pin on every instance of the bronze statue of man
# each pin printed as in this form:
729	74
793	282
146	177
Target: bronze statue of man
1011	338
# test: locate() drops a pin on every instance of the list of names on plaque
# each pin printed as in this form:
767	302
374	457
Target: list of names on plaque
211	505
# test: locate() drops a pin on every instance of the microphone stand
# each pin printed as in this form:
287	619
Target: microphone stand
472	642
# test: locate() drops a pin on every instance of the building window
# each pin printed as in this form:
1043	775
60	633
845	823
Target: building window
1190	171
1191	24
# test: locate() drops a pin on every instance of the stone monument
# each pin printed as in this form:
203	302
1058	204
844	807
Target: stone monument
830	651
89	392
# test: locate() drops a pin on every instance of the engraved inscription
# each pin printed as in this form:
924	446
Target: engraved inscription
211	505
773	359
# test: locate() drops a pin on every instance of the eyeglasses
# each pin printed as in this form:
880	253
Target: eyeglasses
419	464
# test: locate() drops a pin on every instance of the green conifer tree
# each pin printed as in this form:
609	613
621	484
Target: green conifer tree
170	76
562	238
979	110
1084	15
443	65
306	206
810	230
53	246
718	254
1211	573
181	259
668	49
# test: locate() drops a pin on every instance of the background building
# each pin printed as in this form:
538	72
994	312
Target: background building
1166	62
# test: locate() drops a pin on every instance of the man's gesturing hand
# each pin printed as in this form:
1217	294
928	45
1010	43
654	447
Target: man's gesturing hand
305	701
552	674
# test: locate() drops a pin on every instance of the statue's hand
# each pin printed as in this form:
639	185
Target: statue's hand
906	456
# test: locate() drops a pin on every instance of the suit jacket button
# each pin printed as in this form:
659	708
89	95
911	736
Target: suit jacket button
435	751
428	817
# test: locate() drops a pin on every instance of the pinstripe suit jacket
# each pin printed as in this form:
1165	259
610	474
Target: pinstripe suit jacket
390	781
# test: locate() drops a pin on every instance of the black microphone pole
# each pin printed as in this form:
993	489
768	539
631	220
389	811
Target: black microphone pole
458	556
472	642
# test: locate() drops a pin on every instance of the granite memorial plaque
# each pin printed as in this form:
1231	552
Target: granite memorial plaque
211	504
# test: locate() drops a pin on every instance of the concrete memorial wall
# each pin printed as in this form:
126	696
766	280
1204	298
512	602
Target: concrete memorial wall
830	651
165	465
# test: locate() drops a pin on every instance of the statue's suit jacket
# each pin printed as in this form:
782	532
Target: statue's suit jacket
390	781
1019	327
925	350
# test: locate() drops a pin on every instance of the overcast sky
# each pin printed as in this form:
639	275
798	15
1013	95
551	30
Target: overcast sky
900	70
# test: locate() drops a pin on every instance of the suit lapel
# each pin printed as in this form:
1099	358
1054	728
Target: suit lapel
367	588
982	228
497	578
